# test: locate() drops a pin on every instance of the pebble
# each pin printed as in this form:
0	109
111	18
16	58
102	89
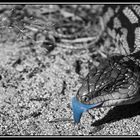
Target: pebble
19	68
138	132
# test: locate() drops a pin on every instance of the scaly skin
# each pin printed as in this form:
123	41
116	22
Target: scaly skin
114	82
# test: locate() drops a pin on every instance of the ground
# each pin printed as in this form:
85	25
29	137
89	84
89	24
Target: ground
42	63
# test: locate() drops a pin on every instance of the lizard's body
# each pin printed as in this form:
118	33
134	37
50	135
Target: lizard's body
116	81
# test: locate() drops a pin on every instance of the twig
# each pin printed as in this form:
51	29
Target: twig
72	47
80	40
61	120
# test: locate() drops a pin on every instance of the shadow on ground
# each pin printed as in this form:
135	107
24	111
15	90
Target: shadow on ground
118	113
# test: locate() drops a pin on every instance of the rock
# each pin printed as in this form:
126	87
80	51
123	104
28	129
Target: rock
19	68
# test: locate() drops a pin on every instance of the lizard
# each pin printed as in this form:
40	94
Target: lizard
116	81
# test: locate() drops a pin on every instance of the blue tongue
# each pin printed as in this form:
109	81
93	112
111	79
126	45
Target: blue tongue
78	109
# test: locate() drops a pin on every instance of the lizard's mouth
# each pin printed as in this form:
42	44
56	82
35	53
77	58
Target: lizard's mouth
79	108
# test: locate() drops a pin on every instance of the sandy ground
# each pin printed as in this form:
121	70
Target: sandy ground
37	88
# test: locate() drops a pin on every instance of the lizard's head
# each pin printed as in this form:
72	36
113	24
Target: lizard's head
110	84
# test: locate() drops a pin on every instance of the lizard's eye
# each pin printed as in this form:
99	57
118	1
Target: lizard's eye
107	88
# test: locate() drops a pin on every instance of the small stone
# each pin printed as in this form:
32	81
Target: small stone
19	68
138	133
137	119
